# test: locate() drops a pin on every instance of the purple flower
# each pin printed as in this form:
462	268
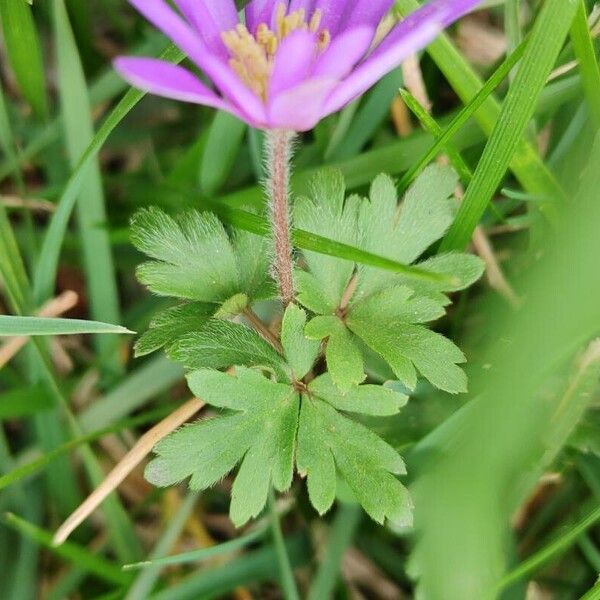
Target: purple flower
292	63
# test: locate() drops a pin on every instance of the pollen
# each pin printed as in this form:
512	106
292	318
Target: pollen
252	56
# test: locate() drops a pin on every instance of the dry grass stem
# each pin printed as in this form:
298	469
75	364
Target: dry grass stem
481	43
493	272
401	117
262	329
42	206
130	461
414	82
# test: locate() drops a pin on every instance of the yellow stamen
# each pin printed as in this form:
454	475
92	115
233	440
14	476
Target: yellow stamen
252	56
315	21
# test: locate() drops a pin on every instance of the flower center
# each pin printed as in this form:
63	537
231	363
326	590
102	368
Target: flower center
252	56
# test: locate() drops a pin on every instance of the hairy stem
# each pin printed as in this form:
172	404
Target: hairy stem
279	151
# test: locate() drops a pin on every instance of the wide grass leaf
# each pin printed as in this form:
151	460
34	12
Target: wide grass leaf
96	248
24	52
546	40
33	326
223	144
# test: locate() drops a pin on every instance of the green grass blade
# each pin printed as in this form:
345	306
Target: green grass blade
223	144
505	433
284	565
29	326
583	45
253	567
546	40
24	53
432	126
45	272
310	241
144	583
593	594
121	531
526	163
552	550
344	527
512	23
103	89
82	557
201	554
24	401
153	377
36	465
91	210
7	142
462	117
24	575
12	268
123	536
60	479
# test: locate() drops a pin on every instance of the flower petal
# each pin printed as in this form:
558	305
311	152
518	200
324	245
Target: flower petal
173	26
300	108
210	19
344	52
340	14
307	5
442	12
410	35
293	61
168	80
260	11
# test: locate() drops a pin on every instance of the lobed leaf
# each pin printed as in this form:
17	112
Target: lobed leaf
400	303
260	435
195	259
403	232
386	310
406	346
220	344
172	324
375	400
344	359
329	442
327	213
300	351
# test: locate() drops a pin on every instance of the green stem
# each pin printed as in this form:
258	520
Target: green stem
550	551
583	46
344	526
286	575
593	594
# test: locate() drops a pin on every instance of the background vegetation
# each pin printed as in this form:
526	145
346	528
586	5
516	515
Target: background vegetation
506	479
